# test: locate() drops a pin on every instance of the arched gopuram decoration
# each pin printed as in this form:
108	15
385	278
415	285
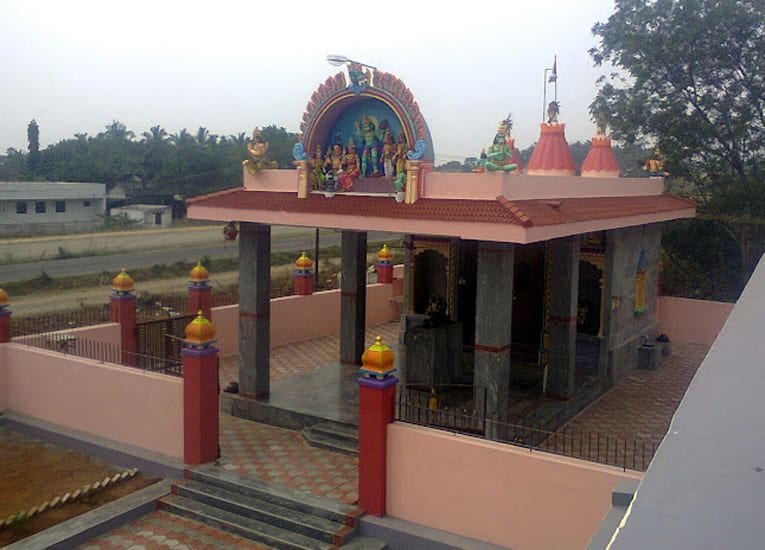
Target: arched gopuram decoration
378	121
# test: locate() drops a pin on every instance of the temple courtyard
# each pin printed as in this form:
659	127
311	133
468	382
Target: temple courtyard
640	407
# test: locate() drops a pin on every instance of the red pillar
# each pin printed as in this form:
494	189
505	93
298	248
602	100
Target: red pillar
303	276
385	266
5	318
200	292
200	299
376	410
5	326
123	312
200	393
377	397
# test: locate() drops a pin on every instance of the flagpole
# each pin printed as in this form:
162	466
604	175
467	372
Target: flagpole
544	94
555	72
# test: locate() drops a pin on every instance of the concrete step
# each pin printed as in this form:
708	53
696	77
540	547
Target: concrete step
333	436
252	529
277	494
365	543
329	531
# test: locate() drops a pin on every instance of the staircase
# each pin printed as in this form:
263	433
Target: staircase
333	436
270	514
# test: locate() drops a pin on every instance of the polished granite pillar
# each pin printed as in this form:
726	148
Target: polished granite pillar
353	296
254	309
494	306
563	276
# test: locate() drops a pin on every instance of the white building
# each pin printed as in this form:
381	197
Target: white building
46	207
151	215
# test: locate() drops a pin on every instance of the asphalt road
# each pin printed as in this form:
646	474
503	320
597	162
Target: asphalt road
114	262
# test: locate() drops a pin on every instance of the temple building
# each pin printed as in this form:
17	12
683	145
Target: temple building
512	278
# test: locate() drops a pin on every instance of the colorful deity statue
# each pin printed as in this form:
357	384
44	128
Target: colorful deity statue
399	157
601	122
371	144
388	154
359	77
257	149
499	155
655	165
553	110
316	177
351	167
333	165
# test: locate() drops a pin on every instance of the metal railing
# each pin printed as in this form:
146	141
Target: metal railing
104	352
455	407
147	307
633	454
60	320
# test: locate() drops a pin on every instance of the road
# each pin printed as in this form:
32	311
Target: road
176	252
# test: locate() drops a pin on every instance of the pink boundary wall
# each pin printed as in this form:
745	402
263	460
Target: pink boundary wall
692	321
123	404
296	318
146	409
496	493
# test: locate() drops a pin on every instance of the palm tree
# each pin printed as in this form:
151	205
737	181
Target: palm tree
155	146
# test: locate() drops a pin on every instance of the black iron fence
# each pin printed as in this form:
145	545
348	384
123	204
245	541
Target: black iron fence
60	320
147	307
104	352
422	407
455	407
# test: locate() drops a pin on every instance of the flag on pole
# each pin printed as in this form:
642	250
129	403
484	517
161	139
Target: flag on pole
554	74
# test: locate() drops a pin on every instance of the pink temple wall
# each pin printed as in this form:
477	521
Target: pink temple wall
488	186
124	404
494	492
692	321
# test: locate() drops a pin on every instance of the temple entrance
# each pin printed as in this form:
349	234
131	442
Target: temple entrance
528	301
430	279
526	373
589	323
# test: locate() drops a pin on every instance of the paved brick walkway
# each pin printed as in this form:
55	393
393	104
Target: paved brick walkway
642	405
282	456
300	357
161	530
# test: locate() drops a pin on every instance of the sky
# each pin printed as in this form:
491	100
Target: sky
229	66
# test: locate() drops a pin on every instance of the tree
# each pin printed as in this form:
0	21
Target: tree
696	90
155	146
33	137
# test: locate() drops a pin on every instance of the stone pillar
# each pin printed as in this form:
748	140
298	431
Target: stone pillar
254	309
5	318
494	307
303	276
377	398
123	312
200	393
385	265
353	296
563	269
200	292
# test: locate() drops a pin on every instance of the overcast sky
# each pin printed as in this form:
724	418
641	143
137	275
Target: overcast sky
76	65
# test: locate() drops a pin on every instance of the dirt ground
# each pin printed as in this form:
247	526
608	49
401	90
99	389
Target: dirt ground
32	472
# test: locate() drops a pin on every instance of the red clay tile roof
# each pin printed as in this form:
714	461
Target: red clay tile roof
525	213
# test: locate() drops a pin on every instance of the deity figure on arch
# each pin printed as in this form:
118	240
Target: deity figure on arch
351	167
371	143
